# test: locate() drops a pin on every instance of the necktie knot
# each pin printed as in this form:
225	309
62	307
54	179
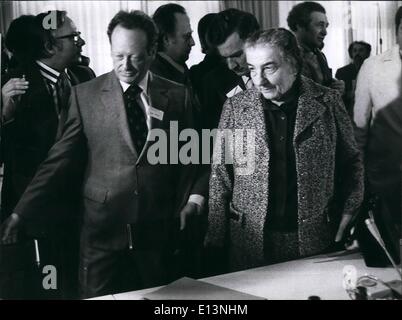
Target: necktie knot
133	91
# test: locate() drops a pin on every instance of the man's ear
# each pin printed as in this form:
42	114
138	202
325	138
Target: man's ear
299	28
152	51
166	41
50	49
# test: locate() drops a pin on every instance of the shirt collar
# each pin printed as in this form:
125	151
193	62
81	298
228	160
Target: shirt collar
179	67
304	48
247	81
143	84
48	72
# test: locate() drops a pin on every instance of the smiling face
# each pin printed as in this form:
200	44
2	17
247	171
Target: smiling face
232	51
314	34
130	54
272	75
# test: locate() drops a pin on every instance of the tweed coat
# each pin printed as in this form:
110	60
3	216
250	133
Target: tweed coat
326	155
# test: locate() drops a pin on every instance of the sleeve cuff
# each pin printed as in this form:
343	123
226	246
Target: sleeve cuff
197	199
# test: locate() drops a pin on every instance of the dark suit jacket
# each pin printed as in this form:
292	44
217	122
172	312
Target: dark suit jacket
199	71
26	141
216	85
120	186
348	73
164	69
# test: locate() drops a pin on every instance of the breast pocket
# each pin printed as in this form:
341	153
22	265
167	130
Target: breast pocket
95	193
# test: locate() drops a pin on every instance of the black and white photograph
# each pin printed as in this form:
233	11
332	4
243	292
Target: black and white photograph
209	151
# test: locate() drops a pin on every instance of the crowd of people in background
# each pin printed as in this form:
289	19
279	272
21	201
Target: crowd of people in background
79	192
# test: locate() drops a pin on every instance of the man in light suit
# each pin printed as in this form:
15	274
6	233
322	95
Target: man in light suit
307	170
378	131
128	203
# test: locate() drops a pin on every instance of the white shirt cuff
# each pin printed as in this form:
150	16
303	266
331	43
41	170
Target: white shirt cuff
197	199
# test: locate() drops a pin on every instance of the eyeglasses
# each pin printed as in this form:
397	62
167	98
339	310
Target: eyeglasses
75	36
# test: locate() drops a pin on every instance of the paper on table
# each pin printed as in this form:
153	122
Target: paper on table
190	289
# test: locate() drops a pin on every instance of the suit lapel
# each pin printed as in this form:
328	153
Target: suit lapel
253	113
158	99
112	98
39	96
308	109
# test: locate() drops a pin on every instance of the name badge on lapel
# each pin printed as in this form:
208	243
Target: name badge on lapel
156	113
234	91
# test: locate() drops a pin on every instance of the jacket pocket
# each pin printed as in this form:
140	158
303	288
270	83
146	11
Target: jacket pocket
95	193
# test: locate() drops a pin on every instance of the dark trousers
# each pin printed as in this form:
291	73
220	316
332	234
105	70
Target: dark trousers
105	272
22	278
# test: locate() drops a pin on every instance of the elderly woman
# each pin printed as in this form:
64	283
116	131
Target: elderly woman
308	174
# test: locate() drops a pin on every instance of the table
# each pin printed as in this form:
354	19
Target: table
320	276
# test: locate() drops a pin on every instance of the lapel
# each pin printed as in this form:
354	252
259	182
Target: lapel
158	99
38	94
392	64
112	97
253	113
254	109
308	108
73	78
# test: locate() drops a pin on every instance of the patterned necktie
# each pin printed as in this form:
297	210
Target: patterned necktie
63	91
136	117
63	88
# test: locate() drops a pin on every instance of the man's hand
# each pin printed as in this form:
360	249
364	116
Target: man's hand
338	85
342	227
10	92
9	229
190	209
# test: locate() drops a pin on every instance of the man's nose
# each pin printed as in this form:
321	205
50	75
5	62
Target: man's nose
81	42
127	63
192	43
258	78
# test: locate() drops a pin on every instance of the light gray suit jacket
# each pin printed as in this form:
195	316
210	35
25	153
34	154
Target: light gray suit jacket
378	118
120	186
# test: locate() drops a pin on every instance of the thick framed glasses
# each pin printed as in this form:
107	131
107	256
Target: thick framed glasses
75	36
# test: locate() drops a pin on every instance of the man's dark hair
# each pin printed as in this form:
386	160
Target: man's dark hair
43	36
362	43
229	21
18	39
135	20
165	20
281	38
27	38
203	26
300	14
398	17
